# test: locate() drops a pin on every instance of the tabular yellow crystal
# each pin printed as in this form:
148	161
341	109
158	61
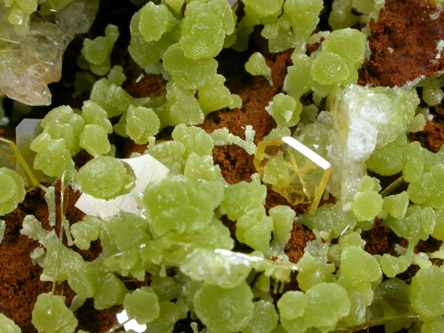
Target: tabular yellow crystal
293	170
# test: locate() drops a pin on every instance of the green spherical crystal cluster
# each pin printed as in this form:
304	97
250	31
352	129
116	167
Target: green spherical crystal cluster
198	247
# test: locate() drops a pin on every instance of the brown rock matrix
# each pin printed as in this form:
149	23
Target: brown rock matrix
403	43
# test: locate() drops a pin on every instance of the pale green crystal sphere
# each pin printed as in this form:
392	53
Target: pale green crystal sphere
103	177
12	190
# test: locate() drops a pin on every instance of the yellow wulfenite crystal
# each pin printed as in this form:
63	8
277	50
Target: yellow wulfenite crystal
293	170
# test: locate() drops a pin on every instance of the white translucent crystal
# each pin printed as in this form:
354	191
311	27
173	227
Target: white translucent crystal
364	119
28	66
146	170
25	133
129	325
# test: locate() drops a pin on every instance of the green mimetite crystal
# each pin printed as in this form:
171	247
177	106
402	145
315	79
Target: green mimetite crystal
359	266
187	72
7	325
392	266
176	203
141	123
195	140
171	154
254	229
329	68
215	96
292	304
112	98
396	205
241	198
313	271
142	305
154	21
98	51
426	292
86	231
348	43
417	224
285	110
263	8
225	310
366	205
256	65
105	177
293	85
202	35
147	53
94	139
111	291
283	217
93	113
53	157
50	314
304	15
265	318
63	123
182	107
12	190
429	188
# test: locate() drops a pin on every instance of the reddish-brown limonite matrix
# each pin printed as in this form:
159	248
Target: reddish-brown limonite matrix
403	43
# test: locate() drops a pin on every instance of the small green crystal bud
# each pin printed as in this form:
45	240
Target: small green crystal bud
359	265
109	293
105	177
254	229
227	310
93	113
256	65
182	107
176	204
285	110
202	35
98	51
293	85
154	21
265	318
348	43
313	271
12	190
142	305
188	72
7	325
396	205
50	314
426	292
329	68
263	8
241	198
141	123
195	139
94	140
292	304
53	157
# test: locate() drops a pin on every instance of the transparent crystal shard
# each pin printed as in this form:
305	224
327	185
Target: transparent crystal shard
28	66
25	132
293	170
10	157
